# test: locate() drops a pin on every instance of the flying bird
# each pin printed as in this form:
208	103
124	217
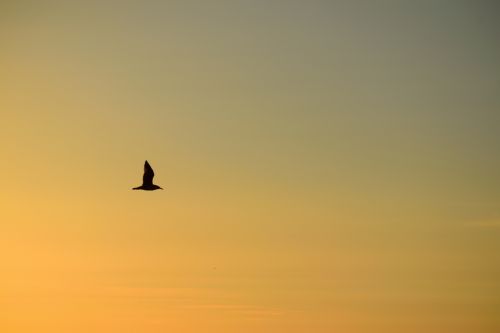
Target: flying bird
147	179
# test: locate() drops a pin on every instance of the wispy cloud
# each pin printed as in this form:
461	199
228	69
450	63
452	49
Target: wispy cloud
493	223
245	310
205	299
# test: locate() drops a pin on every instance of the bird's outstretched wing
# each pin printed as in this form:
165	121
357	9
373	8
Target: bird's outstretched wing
147	178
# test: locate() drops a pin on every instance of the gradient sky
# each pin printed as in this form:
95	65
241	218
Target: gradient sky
330	166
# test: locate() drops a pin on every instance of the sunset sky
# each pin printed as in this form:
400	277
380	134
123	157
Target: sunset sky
329	166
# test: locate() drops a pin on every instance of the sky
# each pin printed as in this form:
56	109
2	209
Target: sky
329	166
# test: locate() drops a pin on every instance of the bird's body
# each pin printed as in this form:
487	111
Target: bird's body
147	179
148	187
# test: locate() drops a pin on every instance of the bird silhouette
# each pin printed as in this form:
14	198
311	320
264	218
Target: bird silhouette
147	179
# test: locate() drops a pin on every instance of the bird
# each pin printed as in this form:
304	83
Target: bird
147	179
